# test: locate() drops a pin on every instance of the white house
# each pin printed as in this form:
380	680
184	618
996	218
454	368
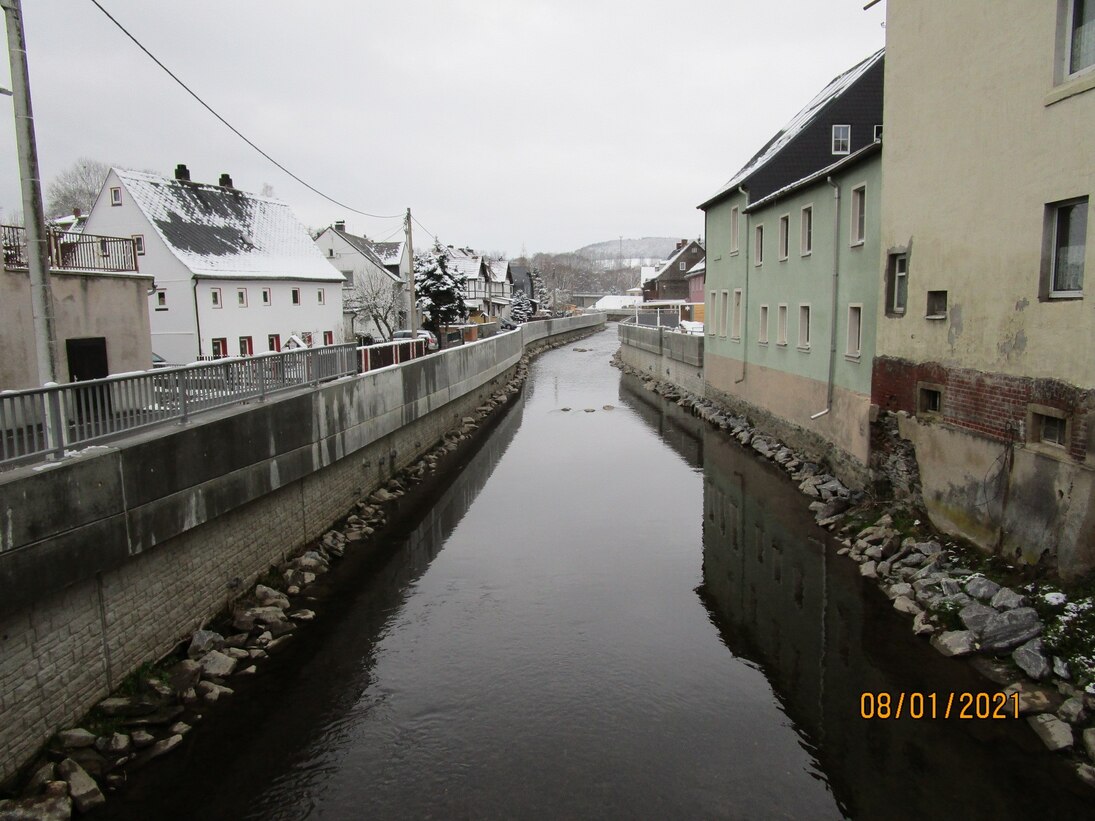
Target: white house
500	288
235	273
375	298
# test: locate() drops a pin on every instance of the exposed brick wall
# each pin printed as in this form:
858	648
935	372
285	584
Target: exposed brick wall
993	405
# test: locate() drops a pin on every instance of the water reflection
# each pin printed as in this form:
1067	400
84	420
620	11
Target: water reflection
784	601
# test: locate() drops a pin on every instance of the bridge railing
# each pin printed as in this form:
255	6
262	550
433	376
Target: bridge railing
48	421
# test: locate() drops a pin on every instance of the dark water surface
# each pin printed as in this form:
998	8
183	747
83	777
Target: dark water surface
615	614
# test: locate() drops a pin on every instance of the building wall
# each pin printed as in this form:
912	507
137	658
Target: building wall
967	190
84	305
788	382
143	555
345	258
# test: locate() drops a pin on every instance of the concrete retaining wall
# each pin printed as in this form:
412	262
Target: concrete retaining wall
665	355
109	558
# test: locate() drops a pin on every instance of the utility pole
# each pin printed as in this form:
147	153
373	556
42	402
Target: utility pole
413	313
37	249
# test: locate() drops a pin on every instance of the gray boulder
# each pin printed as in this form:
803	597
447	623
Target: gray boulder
82	788
202	642
954	643
975	616
1031	659
37	808
1055	734
1009	629
184	675
903	604
216	664
1007	599
1072	711
74	738
981	588
869	570
268	597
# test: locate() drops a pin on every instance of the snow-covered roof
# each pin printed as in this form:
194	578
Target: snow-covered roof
367	248
467	267
390	252
697	269
220	232
614	302
671	267
850	159
837	86
498	270
69	224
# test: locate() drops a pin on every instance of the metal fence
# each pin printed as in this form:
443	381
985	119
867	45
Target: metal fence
48	421
69	251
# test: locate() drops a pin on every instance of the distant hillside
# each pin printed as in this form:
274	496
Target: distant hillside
654	248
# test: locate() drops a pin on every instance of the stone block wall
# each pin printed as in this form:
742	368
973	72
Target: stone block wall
665	355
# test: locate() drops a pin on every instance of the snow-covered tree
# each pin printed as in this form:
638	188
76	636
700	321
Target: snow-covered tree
439	294
521	309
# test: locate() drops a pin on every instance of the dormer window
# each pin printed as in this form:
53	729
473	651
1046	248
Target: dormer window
842	139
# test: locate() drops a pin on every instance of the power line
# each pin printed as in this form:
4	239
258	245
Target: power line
424	228
231	127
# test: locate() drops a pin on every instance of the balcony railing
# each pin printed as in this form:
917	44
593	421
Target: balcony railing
71	252
43	422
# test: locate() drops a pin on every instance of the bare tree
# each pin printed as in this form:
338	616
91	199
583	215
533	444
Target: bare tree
380	300
76	187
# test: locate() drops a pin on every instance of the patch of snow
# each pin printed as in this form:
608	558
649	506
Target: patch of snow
1055	598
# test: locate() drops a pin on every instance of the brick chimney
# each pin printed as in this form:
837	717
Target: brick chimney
681	244
182	173
340	226
225	182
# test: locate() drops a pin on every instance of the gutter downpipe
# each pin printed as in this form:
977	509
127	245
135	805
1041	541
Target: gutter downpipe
833	307
745	292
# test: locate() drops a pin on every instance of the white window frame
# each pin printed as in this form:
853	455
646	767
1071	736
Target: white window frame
878	132
161	299
138	244
735	327
857	224
241	297
762	327
115	196
294	297
321	296
710	315
735	225
267	297
806	230
899	261
842	138
853	348
758	245
1052	227
781	324
724	300
216	298
1066	52
784	239
804	327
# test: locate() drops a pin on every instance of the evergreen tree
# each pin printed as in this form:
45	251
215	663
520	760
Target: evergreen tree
440	295
521	309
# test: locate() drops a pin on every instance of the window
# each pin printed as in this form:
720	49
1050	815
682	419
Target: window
161	299
328	337
138	244
762	329
842	139
878	133
273	342
806	230
321	296
1065	246
215	297
897	284
937	305
246	348
115	196
267	296
330	252
295	296
784	227
858	226
220	347
1080	33
735	329
241	297
104	249
711	318
758	243
734	216
855	331
781	325
724	298
929	399
682	266
1048	426
804	327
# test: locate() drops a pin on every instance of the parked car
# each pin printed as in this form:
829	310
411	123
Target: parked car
506	325
431	340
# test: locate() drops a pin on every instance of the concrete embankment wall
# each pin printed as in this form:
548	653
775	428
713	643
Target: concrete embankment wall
666	355
108	559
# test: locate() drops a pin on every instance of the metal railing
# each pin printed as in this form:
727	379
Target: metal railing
49	421
71	252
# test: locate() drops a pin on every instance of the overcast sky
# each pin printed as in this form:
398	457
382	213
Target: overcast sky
536	124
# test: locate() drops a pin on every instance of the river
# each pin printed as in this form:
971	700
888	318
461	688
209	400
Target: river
606	614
